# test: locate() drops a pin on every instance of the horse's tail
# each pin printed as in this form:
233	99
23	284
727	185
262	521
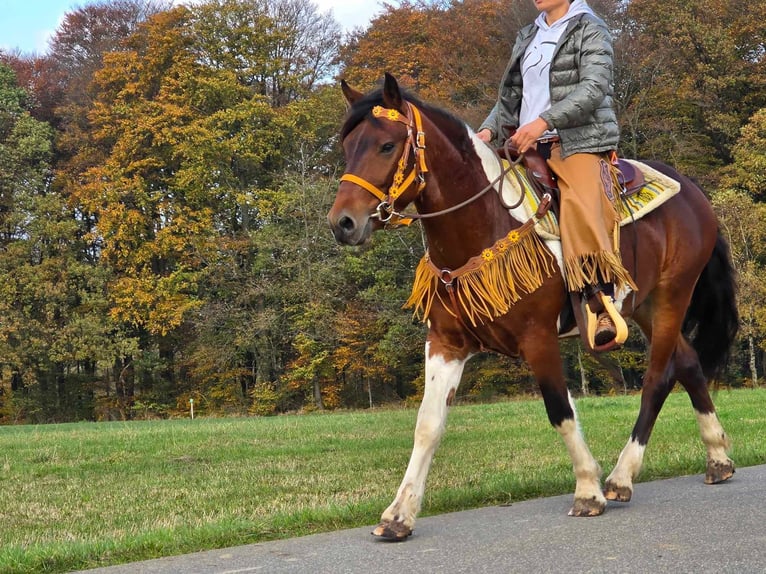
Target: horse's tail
712	320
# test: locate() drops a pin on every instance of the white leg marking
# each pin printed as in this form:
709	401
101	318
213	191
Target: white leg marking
586	470
714	437
628	465
442	379
620	296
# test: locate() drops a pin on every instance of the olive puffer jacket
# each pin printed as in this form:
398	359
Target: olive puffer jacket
581	88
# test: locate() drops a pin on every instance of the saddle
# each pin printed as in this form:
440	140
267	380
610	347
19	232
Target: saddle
543	180
630	179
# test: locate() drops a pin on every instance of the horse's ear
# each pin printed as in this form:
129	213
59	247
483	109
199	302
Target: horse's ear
350	93
392	95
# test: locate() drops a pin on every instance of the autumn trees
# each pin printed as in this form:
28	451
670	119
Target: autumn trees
693	74
165	174
451	53
166	163
195	135
52	323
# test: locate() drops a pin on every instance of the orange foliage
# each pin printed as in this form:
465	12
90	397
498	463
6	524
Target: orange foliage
449	53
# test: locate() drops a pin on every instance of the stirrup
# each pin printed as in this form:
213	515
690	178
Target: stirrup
591	317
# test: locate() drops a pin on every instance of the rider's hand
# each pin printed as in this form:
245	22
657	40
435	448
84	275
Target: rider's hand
484	135
528	134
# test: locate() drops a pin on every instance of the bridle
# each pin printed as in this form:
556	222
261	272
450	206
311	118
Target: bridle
415	142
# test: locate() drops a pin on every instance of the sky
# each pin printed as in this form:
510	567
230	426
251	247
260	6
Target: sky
27	24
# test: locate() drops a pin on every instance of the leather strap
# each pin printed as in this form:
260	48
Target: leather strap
363	183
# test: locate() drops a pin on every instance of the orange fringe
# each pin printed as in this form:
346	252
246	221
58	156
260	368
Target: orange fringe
591	268
492	284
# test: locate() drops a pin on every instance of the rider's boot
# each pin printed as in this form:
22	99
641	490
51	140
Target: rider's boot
606	327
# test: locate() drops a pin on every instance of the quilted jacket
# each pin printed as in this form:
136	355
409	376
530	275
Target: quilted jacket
581	86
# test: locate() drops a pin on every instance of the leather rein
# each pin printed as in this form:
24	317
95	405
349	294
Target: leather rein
416	142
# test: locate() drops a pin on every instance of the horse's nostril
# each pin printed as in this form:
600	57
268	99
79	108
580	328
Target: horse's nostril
346	223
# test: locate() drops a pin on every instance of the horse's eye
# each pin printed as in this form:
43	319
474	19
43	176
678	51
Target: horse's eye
387	147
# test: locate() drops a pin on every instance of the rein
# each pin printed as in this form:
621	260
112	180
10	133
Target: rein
416	141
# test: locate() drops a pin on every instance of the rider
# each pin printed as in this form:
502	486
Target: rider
558	87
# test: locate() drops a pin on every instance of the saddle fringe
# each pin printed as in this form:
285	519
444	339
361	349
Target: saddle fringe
487	290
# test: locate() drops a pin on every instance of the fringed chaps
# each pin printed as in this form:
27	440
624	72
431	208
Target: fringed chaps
590	231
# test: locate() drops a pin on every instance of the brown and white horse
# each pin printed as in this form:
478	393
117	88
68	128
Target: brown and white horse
424	156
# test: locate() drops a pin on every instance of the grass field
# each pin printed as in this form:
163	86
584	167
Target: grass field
76	496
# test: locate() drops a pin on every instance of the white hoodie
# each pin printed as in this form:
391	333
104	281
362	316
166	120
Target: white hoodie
536	63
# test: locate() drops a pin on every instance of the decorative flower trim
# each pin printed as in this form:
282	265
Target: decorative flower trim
488	284
391	114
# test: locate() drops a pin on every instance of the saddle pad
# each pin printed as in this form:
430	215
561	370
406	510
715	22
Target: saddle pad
656	191
548	226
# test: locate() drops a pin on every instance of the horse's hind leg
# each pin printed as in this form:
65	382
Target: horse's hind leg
689	373
588	498
684	367
657	384
442	373
619	483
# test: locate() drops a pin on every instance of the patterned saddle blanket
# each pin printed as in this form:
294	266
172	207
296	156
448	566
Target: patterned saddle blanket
657	189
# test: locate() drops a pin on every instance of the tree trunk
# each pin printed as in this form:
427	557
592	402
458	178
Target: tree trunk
369	391
317	394
753	369
17	382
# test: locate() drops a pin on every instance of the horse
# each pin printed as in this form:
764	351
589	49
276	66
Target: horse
684	305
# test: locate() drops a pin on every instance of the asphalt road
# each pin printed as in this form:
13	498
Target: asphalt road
673	526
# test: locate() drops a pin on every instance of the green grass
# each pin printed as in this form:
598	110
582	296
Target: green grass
82	495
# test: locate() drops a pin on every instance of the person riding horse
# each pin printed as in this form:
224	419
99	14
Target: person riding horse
489	281
558	87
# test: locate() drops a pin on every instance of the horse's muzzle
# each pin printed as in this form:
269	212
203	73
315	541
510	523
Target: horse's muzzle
348	230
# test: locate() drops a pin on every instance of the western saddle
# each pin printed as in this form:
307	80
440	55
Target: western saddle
543	180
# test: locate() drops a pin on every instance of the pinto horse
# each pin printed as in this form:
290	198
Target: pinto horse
684	304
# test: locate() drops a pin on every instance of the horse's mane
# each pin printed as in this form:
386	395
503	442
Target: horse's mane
451	125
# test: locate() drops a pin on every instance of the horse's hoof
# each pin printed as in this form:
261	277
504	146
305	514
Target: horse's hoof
718	471
395	531
619	493
588	507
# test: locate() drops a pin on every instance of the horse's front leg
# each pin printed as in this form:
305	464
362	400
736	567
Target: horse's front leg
541	352
442	372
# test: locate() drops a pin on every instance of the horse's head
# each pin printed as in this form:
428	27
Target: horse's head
379	145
